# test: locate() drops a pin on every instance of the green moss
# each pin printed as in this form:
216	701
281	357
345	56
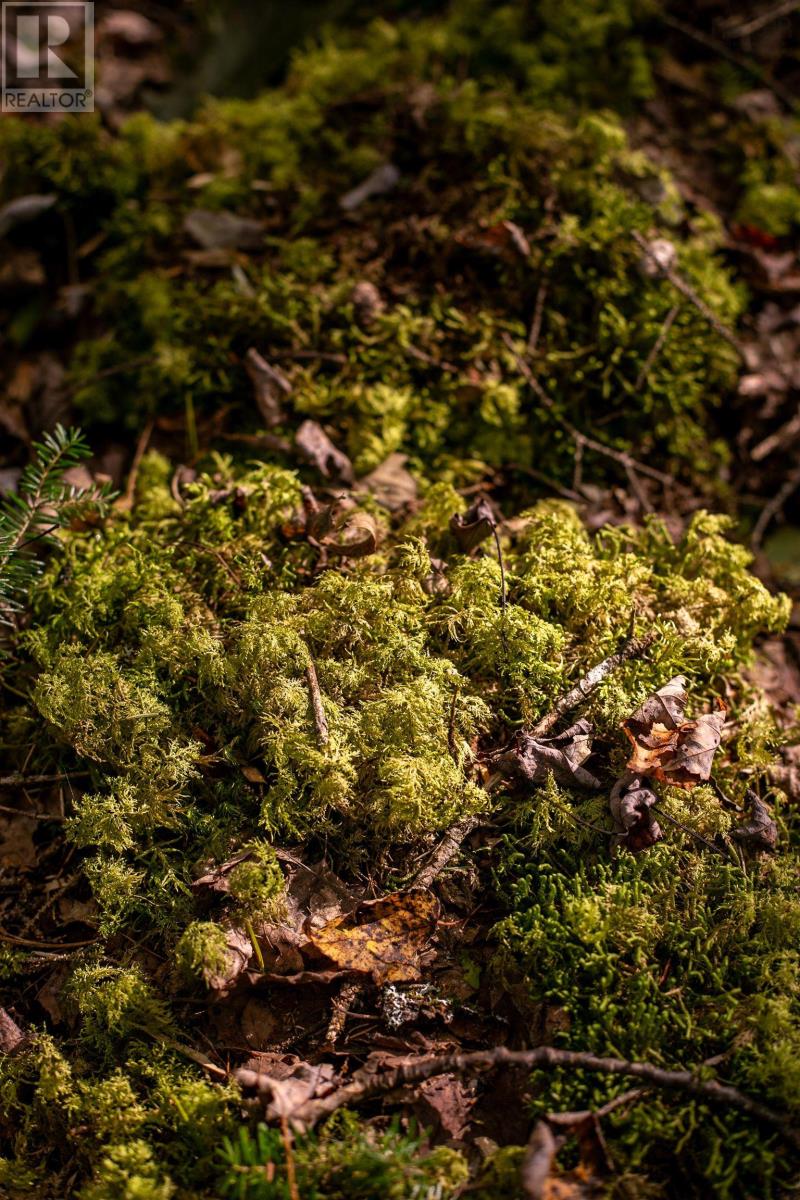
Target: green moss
165	650
518	140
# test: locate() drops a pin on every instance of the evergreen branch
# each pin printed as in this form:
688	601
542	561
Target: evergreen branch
43	504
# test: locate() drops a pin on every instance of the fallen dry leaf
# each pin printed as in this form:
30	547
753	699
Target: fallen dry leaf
392	484
270	385
10	1033
382	938
532	759
317	448
474	526
445	1103
631	805
237	955
287	1084
760	832
669	748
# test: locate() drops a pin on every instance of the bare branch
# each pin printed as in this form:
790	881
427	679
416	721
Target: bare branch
634	647
367	1084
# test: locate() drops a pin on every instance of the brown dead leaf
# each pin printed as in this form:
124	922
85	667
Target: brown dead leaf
631	803
317	448
669	748
237	955
270	386
445	1103
474	526
532	759
286	1084
382	938
392	484
760	832
10	1033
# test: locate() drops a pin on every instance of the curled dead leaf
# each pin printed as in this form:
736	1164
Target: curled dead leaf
317	448
760	833
383	938
631	804
532	759
474	526
270	385
669	748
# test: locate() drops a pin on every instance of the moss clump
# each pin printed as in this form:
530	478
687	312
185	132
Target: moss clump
170	662
343	1161
506	188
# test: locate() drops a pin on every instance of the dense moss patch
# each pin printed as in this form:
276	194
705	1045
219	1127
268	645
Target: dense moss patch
509	195
168	657
162	663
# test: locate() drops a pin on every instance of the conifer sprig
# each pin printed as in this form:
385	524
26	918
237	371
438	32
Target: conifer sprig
43	504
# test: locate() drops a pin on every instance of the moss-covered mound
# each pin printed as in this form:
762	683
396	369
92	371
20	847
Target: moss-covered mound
167	657
249	707
500	221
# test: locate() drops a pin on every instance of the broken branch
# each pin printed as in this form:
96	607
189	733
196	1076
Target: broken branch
633	647
320	720
366	1084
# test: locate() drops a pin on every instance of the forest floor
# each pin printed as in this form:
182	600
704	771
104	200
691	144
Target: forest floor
401	671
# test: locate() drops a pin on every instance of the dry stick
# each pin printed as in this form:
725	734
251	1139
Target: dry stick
32	816
538	1160
30	780
538	313
138	454
633	647
291	1176
589	443
447	849
771	510
691	832
764	19
21	941
365	1085
320	720
576	1118
658	346
691	295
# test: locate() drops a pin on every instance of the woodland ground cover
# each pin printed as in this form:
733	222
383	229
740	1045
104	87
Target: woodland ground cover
403	695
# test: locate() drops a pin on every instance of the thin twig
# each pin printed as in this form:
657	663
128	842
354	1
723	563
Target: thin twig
366	1084
686	289
538	313
20	780
503	589
447	849
320	720
657	347
20	941
126	500
633	647
291	1175
771	510
691	832
762	20
577	1118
